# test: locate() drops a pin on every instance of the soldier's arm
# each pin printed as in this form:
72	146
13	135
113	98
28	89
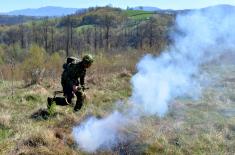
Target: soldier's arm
82	79
70	80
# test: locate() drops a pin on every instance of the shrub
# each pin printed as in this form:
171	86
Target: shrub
33	65
54	66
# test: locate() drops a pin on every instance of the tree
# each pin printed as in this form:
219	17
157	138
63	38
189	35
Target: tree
45	33
69	22
52	30
95	38
33	65
107	22
34	33
1	55
151	32
22	35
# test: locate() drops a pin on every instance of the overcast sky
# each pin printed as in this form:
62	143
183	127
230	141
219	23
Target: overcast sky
9	5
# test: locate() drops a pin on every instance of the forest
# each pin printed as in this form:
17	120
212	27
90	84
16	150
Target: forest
96	30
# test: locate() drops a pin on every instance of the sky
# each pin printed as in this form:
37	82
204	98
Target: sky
9	5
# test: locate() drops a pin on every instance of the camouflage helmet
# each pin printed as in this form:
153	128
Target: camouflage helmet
88	59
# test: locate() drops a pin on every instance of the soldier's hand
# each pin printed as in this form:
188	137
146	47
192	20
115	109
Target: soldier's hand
75	88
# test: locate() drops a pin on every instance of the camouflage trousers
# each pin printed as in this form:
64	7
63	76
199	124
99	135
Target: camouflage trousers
67	99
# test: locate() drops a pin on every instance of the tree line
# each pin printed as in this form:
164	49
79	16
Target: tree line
98	29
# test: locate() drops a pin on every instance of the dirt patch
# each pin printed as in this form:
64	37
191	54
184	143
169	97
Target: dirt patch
42	114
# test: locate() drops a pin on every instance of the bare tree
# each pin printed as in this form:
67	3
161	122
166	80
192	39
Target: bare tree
45	33
52	39
151	31
95	38
34	33
107	22
21	34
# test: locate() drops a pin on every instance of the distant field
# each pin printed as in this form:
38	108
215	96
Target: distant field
83	27
138	14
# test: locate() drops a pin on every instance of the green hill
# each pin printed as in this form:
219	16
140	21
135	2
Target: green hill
98	29
11	20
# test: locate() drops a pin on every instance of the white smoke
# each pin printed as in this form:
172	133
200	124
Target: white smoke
198	37
201	36
105	133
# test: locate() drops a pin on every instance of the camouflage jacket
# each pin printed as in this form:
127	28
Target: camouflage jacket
73	74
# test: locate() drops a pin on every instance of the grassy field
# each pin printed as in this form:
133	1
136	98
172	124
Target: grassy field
202	126
84	27
138	14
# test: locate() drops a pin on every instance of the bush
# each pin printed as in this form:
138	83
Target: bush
54	66
33	65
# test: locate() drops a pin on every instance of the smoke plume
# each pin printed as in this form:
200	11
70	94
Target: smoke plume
197	37
105	132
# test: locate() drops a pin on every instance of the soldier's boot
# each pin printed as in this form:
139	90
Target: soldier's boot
78	106
49	102
79	101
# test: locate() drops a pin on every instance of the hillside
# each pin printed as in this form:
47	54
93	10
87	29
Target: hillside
12	20
146	8
101	28
49	11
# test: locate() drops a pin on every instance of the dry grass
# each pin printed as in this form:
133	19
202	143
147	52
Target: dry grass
5	119
204	126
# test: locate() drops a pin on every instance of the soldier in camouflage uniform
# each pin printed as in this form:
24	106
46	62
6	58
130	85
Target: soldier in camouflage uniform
72	81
